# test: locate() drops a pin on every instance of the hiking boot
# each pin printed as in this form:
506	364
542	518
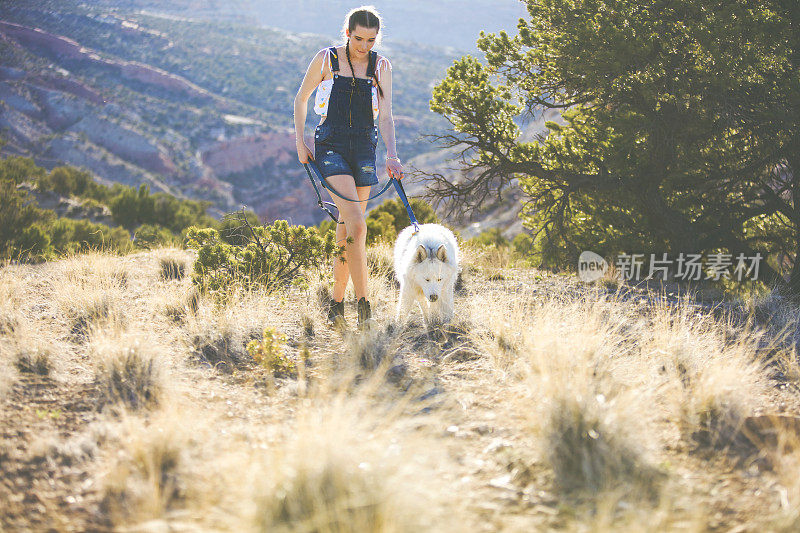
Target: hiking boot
364	313
336	313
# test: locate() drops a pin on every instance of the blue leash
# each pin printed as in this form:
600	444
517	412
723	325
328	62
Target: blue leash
312	171
401	192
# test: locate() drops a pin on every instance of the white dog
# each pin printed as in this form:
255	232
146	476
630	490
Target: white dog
426	264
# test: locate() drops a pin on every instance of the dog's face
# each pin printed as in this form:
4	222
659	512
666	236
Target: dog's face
431	270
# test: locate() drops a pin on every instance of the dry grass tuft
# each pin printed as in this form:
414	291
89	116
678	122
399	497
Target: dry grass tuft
34	362
590	450
307	324
340	470
8	324
222	350
96	310
581	395
376	349
147	480
186	306
94	269
380	261
172	268
327	495
127	372
710	381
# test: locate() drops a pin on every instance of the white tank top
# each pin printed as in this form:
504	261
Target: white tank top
324	89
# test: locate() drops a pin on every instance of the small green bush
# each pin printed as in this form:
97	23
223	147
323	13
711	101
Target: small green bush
269	353
490	237
234	231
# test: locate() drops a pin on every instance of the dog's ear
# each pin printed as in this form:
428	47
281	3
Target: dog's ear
422	254
441	253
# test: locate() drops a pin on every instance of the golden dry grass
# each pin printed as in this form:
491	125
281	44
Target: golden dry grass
548	404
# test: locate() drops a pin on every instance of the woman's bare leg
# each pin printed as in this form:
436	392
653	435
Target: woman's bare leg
352	214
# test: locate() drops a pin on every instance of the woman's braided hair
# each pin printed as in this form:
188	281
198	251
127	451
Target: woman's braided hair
366	17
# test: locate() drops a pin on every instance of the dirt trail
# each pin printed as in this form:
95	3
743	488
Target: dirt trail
47	456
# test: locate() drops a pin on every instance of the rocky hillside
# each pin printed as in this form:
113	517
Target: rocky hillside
197	109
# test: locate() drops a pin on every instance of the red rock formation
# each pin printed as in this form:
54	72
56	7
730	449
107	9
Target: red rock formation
62	46
69	86
238	155
160	78
298	206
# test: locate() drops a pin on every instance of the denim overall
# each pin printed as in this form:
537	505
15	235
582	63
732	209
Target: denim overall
345	143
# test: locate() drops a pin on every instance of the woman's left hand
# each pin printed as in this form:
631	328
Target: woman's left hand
394	168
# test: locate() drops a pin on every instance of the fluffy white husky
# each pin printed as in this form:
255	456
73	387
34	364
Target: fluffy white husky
426	264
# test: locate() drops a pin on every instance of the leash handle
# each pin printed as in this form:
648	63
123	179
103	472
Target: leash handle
401	192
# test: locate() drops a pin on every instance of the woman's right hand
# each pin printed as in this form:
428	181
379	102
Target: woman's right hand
304	153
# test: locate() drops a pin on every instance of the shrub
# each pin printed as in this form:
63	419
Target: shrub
132	208
78	236
151	235
490	237
66	181
21	222
234	231
17	170
269	353
274	255
388	219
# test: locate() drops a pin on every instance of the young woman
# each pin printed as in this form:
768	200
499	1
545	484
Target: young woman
354	86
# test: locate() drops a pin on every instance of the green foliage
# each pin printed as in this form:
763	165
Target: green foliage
521	247
234	231
35	242
273	255
28	233
490	237
152	235
68	181
388	219
269	353
679	133
76	236
20	169
19	238
132	208
177	215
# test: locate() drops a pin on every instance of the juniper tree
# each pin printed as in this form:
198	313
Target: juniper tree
679	132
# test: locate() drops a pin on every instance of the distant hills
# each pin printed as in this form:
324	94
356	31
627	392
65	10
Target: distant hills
198	109
452	24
